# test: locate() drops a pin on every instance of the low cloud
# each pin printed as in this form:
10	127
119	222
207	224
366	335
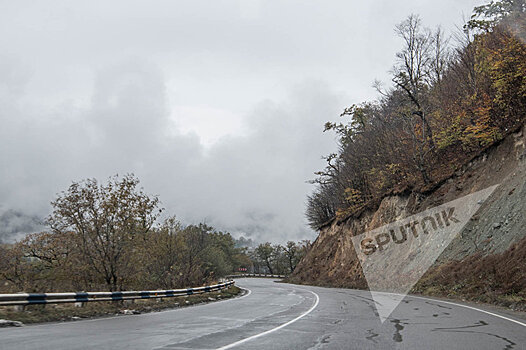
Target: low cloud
254	184
196	98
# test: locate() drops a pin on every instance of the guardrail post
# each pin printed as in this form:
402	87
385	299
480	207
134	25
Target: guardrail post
79	304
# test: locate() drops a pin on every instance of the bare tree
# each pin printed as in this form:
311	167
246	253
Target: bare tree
107	219
421	62
441	56
294	252
265	252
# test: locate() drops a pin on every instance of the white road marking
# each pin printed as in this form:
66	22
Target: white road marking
239	342
472	308
464	306
236	298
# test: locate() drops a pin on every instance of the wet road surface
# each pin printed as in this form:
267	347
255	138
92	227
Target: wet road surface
283	316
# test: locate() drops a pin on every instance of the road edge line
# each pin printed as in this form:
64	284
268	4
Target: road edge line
469	307
239	342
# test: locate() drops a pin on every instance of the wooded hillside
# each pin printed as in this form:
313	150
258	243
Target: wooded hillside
447	103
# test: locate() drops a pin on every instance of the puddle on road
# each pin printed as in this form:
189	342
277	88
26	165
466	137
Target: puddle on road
463	329
397	336
371	335
438	305
477	324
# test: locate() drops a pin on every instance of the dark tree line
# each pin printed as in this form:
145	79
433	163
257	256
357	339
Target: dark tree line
278	259
106	237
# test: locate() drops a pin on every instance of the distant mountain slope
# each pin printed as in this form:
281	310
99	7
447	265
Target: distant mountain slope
15	225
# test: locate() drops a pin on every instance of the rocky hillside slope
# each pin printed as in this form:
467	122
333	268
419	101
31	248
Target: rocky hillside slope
496	229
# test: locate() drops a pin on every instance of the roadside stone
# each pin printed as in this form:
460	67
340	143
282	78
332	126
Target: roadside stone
130	312
9	323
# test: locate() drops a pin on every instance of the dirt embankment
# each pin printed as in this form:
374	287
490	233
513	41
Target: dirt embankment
486	261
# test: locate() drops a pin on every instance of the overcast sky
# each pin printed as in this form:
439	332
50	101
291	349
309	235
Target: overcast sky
217	106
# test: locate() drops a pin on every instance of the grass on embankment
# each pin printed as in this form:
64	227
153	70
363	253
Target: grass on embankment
68	312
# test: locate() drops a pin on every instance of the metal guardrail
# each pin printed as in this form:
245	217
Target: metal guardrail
256	275
81	297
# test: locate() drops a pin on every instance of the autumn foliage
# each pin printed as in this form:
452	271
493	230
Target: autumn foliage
446	105
106	237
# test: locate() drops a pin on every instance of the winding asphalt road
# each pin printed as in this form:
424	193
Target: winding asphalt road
284	316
